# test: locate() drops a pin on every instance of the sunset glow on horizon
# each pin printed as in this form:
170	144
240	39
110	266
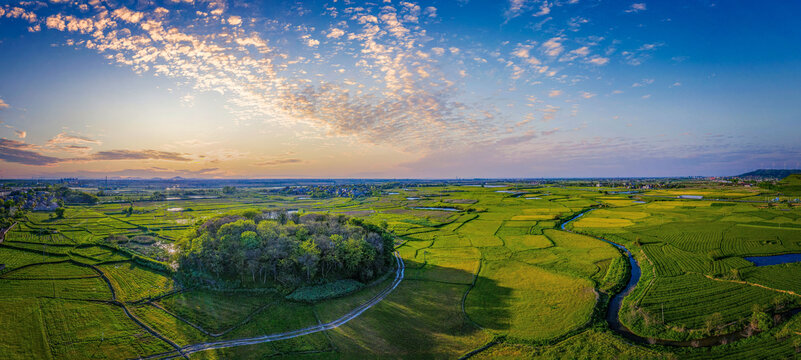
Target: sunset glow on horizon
397	89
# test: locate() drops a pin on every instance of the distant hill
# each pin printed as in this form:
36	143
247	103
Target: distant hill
770	173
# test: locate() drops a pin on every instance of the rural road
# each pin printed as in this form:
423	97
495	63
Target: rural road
300	332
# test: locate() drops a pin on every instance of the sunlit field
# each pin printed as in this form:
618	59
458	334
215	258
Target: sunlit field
493	271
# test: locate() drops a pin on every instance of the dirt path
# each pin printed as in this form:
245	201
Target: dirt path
3	234
300	332
788	292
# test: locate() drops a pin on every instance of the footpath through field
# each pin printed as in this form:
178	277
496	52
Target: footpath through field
3	234
300	332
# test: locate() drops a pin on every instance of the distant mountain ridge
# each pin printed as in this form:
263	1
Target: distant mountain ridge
770	173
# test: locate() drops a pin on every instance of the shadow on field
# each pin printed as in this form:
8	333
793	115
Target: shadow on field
423	317
438	302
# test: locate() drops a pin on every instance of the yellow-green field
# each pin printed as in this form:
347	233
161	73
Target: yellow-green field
501	271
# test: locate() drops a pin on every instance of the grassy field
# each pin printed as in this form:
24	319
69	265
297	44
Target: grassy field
697	250
499	268
134	282
215	311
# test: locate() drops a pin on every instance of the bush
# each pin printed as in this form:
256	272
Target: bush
325	291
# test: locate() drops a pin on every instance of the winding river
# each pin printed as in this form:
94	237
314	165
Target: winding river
613	312
617	301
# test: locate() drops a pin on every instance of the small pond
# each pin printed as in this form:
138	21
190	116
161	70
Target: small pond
774	259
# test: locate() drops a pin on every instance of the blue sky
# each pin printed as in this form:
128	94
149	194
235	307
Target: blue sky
457	88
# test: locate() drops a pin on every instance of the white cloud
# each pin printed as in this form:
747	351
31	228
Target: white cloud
545	9
335	33
553	47
599	60
3	105
234	20
56	22
515	8
554	93
636	7
21	134
64	138
130	16
522	51
587	95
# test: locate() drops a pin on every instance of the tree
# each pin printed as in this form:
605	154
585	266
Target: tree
713	322
760	321
59	213
236	249
228	190
249	239
308	257
781	301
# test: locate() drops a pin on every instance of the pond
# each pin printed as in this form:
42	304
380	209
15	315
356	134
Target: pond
774	259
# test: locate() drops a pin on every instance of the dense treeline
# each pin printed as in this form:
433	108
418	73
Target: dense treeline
71	196
256	249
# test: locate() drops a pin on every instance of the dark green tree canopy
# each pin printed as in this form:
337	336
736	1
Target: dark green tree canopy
288	250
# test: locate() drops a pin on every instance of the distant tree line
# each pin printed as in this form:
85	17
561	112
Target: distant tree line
71	196
276	248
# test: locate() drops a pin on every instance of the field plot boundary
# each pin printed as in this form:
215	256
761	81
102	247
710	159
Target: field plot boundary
399	272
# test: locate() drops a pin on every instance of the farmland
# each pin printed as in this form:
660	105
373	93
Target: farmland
491	271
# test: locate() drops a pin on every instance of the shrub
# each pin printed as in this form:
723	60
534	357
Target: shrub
325	291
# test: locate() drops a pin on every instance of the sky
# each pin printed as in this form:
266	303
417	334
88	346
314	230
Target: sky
398	89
